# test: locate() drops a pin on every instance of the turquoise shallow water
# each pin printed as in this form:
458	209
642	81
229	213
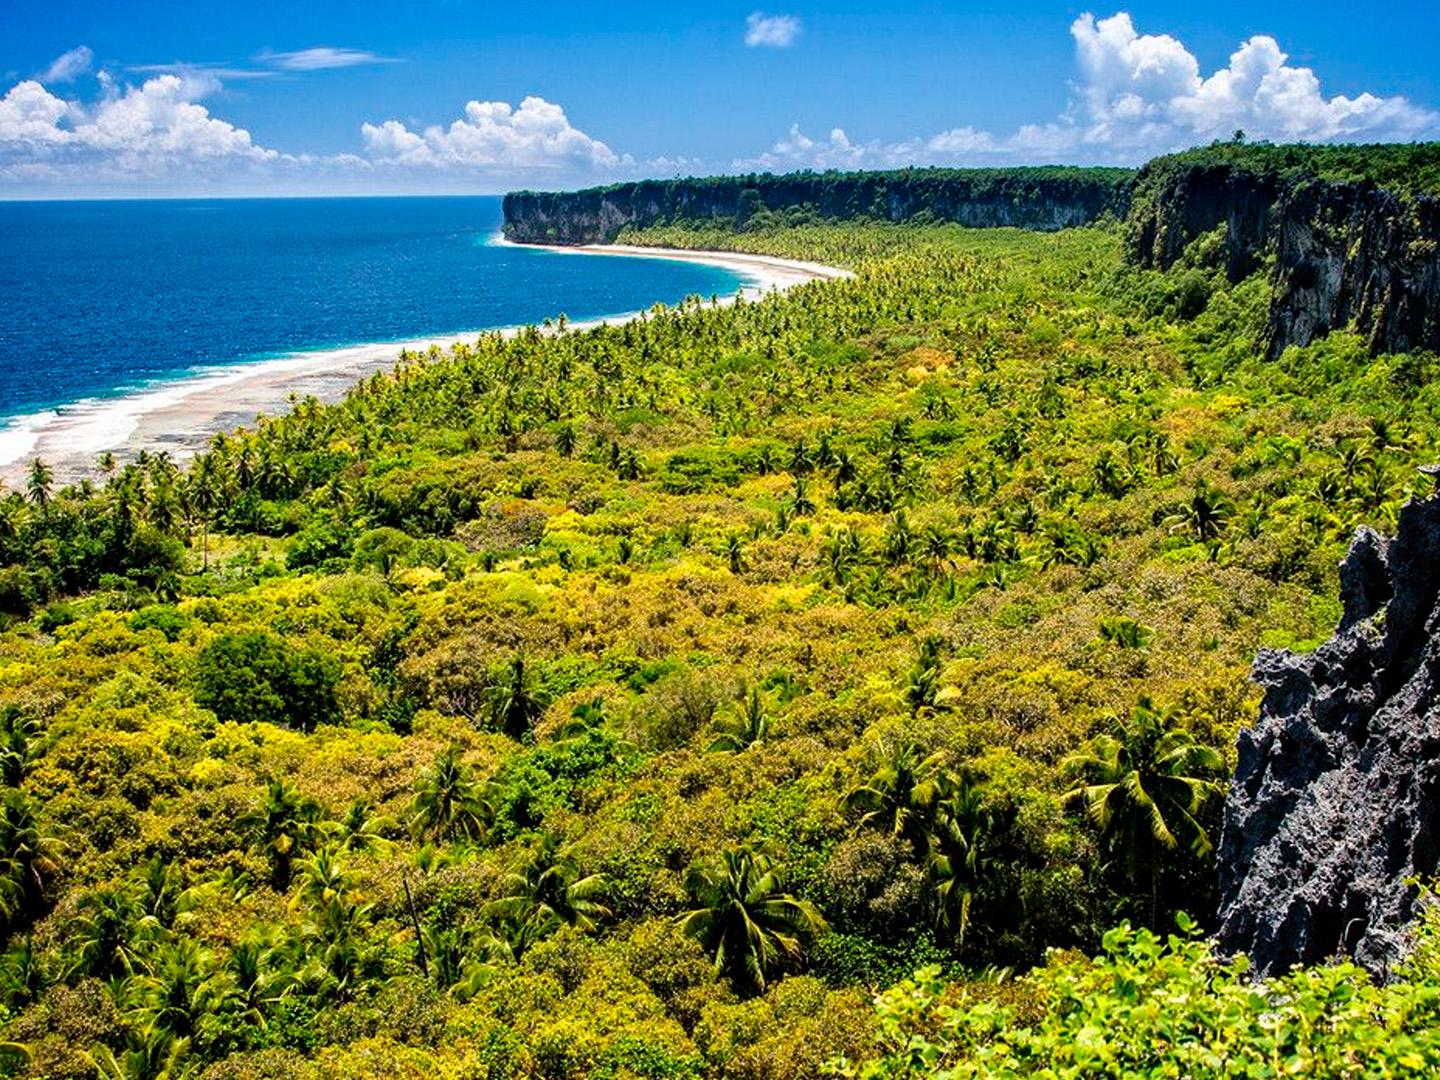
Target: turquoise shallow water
97	298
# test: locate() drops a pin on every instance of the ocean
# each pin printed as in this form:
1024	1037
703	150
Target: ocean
104	299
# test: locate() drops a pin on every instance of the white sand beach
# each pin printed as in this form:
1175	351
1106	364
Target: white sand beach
180	416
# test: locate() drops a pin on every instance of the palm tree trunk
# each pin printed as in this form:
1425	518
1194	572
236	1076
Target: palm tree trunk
415	919
1154	893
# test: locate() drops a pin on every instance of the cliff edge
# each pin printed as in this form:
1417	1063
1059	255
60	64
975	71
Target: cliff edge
1045	198
1343	252
1335	804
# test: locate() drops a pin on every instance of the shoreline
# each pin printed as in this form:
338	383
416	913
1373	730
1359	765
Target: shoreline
181	415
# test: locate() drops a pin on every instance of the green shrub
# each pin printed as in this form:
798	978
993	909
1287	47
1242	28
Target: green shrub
258	676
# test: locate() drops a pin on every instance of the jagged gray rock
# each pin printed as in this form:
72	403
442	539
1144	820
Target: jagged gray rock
1335	804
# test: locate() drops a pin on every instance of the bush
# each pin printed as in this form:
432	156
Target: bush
315	545
56	616
162	617
381	549
257	676
1165	1007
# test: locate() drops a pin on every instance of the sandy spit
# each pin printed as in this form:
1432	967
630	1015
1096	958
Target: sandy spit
180	416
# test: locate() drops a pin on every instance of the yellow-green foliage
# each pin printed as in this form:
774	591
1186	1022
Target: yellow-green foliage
839	578
1152	1006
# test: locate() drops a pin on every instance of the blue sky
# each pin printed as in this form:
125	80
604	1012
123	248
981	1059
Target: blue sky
263	97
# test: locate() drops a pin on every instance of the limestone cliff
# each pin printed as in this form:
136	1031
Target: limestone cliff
1033	198
1342	253
1335	804
1349	235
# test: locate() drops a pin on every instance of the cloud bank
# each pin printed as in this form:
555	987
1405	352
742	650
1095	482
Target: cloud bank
492	136
152	130
161	130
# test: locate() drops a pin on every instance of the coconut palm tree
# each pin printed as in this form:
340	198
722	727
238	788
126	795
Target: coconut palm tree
842	470
744	919
936	545
800	501
12	519
324	879
104	938
1125	632
565	440
285	827
959	846
449	803
844	554
900	795
145	1057
23	974
360	830
180	993
899	540
514	704
29	857
824	452
735	553
586	719
746	727
922	684
40	484
1205	513
205	497
163	900
765	460
333	935
548	889
801	463
1145	786
18	752
255	983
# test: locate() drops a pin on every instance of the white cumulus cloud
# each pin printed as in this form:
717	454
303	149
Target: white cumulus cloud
1147	91
69	66
799	151
30	116
771	31
1138	95
494	136
154	129
162	131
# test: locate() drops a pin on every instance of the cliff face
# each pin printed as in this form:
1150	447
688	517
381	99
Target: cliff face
1174	207
1344	253
1354	253
1335	802
1024	198
1341	253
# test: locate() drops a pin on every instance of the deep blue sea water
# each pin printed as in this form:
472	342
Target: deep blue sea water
101	297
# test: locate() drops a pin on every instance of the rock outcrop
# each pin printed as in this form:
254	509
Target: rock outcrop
1345	253
1027	198
1335	804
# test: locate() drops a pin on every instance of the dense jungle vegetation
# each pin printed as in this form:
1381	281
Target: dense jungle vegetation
1412	168
1039	197
642	702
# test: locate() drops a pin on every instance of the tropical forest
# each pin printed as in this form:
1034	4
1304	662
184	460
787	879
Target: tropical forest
843	682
